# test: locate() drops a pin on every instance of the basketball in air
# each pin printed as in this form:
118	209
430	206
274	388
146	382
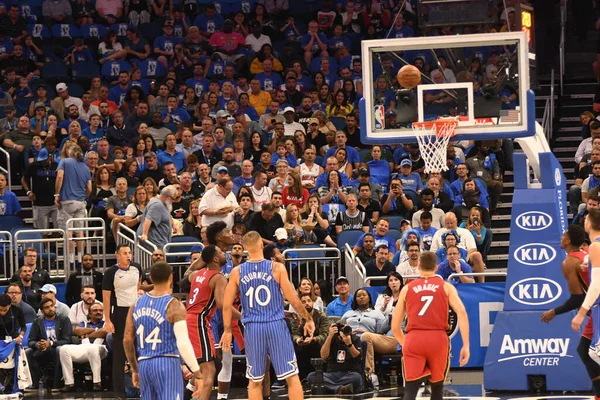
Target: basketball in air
409	76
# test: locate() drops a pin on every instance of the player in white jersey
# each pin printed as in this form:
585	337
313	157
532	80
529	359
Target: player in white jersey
308	170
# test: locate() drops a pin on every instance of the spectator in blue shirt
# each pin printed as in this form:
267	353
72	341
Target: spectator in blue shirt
198	82
400	30
410	180
270	80
450	239
313	43
80	53
73	115
383	95
380	233
209	22
164	46
9	204
117	93
352	155
342	303
454	265
170	154
425	229
174	114
94	132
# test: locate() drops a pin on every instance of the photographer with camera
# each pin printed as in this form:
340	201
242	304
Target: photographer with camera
476	226
341	352
309	347
455	265
396	202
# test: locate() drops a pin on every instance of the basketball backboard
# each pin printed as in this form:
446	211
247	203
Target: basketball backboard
490	102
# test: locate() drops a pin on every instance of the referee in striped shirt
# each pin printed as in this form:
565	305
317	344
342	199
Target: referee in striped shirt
120	287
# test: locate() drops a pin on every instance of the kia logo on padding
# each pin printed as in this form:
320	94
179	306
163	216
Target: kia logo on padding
534	221
535	254
535	291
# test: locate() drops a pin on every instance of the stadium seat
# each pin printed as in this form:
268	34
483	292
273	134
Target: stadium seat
30	12
65	31
150	31
319	160
338	122
182	248
151	68
363	153
332	210
8	222
395	234
350	236
413	196
22	105
76	90
120	29
39	31
94	31
27	330
395	221
112	69
84	71
55	71
36	243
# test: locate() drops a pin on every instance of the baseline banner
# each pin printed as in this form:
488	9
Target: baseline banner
482	301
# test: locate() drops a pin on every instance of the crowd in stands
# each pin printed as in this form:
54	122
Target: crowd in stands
169	118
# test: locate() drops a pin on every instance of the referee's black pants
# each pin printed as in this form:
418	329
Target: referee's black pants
119	319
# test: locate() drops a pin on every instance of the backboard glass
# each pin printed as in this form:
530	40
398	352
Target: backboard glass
490	102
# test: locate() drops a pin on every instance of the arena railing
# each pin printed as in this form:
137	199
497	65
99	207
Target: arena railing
143	253
50	245
561	47
90	229
177	255
314	263
353	266
6	241
476	274
6	170
127	236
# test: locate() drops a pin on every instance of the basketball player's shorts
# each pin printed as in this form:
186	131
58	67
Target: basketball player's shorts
161	378
426	353
201	337
269	339
594	351
588	330
216	326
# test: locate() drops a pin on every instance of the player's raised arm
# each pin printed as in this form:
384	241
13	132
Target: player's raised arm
231	291
398	316
593	289
463	321
280	275
129	346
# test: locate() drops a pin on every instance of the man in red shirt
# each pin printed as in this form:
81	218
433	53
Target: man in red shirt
426	346
227	44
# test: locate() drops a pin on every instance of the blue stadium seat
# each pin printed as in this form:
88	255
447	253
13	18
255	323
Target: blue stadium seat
120	29
8	222
76	90
150	31
55	71
30	12
65	31
22	105
151	68
83	71
39	31
395	234
412	195
319	160
350	236
183	248
94	31
395	221
112	69
37	244
332	210
338	122
27	330
363	153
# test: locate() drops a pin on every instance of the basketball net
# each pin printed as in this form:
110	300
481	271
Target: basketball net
433	138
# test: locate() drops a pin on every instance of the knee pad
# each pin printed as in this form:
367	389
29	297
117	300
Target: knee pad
226	367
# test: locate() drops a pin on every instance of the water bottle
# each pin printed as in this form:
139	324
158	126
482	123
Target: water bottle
393	376
375	381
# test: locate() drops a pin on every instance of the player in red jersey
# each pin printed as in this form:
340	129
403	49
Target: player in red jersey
426	346
206	294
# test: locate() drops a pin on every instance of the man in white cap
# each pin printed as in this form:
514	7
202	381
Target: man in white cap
63	92
290	125
49	291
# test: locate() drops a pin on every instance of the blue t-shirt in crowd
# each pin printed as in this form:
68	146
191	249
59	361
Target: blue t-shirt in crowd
65	124
94	138
426	236
292	160
177	115
178	159
50	329
206	24
200	86
336	308
445	271
117	94
241	181
77	175
412	181
351	155
379	240
9	204
269	82
166	43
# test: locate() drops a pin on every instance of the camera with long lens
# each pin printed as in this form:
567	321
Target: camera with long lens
319	387
343	328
